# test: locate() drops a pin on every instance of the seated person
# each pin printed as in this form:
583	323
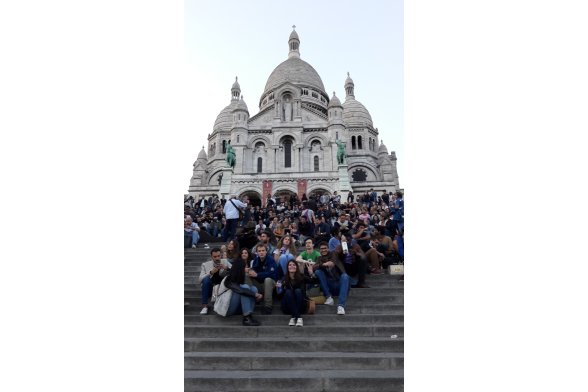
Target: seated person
244	296
285	251
354	261
293	288
332	276
212	272
192	230
264	237
308	256
263	274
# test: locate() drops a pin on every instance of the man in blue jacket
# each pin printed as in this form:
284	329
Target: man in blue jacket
263	274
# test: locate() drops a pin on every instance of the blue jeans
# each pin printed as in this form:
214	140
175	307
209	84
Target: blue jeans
242	303
195	236
293	303
206	286
334	287
283	262
230	229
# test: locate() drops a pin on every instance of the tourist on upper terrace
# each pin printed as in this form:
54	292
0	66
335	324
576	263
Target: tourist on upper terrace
231	211
333	278
212	272
263	274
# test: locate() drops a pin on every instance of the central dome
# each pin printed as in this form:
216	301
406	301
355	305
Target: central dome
296	71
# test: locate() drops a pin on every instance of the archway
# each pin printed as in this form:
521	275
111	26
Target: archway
254	198
283	195
318	192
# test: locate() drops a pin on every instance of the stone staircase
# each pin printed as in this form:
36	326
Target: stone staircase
360	351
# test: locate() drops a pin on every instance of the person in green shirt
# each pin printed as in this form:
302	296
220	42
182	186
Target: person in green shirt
308	256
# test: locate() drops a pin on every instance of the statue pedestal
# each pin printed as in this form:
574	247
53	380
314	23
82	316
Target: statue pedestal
344	185
225	186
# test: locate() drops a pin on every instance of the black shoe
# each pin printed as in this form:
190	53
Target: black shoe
249	321
266	310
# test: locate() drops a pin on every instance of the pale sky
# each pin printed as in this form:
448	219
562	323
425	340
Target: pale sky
225	39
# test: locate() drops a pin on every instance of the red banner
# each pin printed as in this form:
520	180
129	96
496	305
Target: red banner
267	191
301	188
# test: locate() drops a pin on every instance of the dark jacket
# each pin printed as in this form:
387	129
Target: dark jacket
267	269
236	278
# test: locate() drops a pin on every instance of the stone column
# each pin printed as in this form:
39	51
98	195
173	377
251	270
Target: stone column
344	185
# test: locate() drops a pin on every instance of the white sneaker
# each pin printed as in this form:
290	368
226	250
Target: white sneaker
340	310
193	246
205	310
299	323
206	246
292	322
329	301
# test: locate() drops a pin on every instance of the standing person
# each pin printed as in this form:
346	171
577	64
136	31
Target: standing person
294	289
212	272
350	197
308	213
231	210
399	211
332	277
244	296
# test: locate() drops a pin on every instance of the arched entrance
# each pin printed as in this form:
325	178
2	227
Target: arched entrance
254	198
283	195
318	192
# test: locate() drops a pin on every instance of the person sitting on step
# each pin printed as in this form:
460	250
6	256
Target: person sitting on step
191	229
244	296
354	261
293	288
332	276
264	237
212	272
308	256
285	251
263	274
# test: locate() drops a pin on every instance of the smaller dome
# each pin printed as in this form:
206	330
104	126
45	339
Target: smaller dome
293	35
354	113
236	85
383	148
241	105
224	120
348	81
202	154
334	102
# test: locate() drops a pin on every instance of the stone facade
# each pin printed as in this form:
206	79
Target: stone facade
293	138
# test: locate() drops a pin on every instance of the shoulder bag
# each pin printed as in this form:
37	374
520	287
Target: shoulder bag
223	299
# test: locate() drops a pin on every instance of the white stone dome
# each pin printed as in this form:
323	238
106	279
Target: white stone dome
354	113
224	120
334	102
383	148
202	154
296	71
241	105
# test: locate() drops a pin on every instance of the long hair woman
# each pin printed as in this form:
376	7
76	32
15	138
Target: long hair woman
293	287
285	251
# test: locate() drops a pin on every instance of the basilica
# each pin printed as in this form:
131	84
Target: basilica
291	145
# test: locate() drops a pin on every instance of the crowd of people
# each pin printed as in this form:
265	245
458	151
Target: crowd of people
258	258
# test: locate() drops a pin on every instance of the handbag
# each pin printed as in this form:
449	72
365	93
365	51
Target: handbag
319	299
310	306
215	290
396	269
238	209
223	300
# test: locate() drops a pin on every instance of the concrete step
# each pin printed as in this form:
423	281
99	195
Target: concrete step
293	360
285	331
303	343
372	292
280	319
391	380
351	307
353	298
372	281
